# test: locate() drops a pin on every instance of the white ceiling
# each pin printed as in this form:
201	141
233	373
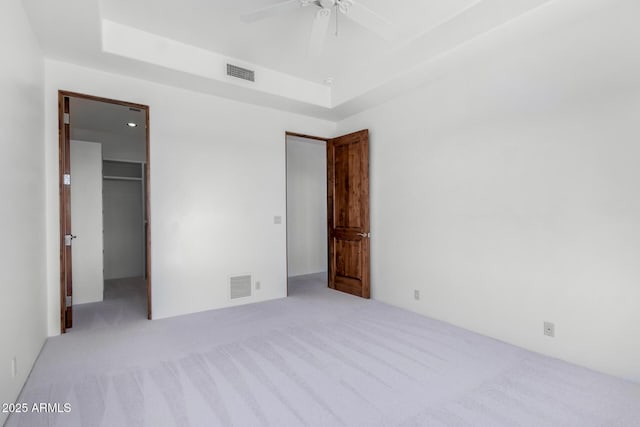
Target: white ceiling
366	69
280	43
105	118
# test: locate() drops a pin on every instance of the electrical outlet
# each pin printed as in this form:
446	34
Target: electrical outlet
14	367
549	329
257	286
416	294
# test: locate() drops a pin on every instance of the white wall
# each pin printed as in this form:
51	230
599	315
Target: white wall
508	191
123	230
22	213
217	180
114	147
306	206
86	221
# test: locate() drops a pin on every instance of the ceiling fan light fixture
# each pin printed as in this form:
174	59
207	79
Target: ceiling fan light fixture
326	4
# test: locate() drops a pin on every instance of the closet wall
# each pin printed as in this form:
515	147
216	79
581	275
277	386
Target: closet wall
306	206
123	200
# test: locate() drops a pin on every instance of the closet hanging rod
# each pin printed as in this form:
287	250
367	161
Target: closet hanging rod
122	178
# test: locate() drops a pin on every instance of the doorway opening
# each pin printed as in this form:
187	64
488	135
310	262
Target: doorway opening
105	254
307	238
344	195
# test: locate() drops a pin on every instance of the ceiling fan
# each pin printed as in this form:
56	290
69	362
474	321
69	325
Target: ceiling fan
352	9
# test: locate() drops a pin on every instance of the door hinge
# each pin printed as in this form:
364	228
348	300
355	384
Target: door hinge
67	179
68	238
68	301
67	119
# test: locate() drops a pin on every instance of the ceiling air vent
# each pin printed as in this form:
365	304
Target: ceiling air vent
240	73
240	286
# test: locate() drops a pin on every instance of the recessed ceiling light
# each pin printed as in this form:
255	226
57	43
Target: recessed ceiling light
132	125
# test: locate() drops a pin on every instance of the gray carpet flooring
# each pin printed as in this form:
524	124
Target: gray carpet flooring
317	358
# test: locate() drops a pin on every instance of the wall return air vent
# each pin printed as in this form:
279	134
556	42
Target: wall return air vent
240	286
240	73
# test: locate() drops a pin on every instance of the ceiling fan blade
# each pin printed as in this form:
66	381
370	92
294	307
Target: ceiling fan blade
273	10
319	32
369	19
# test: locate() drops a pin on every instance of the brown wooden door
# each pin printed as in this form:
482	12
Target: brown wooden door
348	213
66	279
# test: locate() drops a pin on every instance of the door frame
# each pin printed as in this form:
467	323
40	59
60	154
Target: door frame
286	172
65	205
366	234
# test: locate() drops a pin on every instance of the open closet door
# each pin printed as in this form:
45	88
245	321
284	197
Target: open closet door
66	279
348	213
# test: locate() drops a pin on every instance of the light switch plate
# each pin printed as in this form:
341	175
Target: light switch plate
277	220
